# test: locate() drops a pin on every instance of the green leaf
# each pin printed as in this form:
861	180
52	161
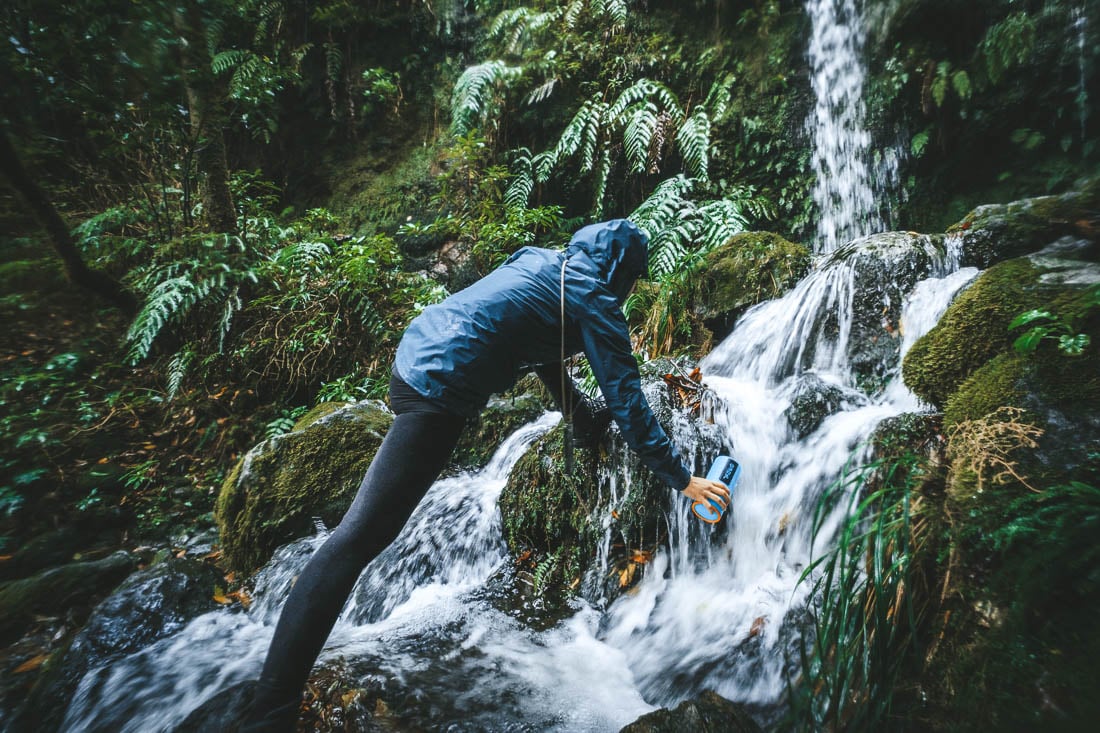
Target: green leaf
1073	345
1030	340
1030	317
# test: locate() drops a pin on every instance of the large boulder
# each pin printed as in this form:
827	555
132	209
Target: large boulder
708	712
590	531
149	605
280	488
748	269
997	232
879	271
974	329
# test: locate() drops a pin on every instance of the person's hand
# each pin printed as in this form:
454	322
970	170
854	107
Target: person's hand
703	489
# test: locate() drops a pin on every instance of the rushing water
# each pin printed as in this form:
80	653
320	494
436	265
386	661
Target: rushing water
847	175
1080	30
718	609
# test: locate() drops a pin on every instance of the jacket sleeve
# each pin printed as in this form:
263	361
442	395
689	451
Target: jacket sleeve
607	346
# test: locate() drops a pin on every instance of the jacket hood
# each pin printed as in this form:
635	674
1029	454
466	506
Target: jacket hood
618	248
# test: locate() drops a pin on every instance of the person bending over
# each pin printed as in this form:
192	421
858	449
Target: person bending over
452	357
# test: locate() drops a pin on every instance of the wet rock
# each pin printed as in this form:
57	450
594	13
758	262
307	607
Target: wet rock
149	605
974	329
814	399
54	591
500	418
278	489
998	232
223	712
577	532
884	268
748	269
706	713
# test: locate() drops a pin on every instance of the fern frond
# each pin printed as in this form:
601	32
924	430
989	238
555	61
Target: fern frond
617	11
168	299
572	14
645	90
523	182
639	135
177	369
232	307
574	135
718	99
334	61
693	140
594	126
542	91
472	94
230	59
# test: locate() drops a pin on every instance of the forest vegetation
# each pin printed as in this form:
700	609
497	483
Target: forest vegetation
219	216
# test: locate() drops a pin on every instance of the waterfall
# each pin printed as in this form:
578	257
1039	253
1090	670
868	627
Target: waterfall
1080	29
847	175
733	624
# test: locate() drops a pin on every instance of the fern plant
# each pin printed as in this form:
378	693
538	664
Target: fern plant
643	121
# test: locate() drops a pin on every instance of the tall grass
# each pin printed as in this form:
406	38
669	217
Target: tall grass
865	613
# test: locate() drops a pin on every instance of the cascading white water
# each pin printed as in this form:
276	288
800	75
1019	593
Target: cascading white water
1080	29
731	624
847	177
712	615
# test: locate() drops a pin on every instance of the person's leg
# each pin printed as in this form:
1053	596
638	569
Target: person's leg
414	452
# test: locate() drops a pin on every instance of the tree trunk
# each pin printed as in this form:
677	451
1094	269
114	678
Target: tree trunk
207	111
47	215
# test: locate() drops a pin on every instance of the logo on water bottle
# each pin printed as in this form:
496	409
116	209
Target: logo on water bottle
726	471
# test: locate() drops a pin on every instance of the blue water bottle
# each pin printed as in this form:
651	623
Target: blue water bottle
724	470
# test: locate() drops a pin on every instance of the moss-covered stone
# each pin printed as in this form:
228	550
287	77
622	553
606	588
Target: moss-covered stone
587	531
998	232
972	331
748	269
57	590
501	417
278	488
975	327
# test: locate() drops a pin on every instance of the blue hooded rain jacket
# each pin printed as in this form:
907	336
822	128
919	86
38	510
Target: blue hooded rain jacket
478	341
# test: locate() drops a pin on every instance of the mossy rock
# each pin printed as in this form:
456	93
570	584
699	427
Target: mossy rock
748	269
501	417
708	712
57	590
576	532
997	232
277	489
974	329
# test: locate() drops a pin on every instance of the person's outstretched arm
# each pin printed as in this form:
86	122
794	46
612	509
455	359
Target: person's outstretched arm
607	345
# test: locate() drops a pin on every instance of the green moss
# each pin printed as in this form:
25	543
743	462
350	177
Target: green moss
972	331
276	490
500	418
752	267
748	269
998	383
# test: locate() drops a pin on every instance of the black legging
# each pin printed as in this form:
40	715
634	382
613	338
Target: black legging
411	457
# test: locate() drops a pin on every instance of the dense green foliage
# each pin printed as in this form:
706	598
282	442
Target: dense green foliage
378	154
